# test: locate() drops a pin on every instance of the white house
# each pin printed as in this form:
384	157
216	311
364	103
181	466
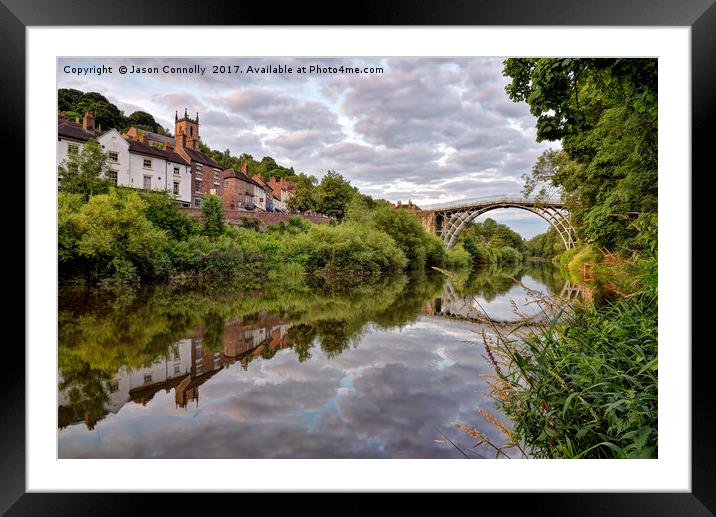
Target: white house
73	135
147	167
135	163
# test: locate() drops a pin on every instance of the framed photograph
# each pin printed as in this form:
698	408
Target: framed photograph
348	258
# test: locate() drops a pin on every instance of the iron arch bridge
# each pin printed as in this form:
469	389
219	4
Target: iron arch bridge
448	220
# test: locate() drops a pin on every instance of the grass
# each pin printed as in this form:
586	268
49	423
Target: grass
584	383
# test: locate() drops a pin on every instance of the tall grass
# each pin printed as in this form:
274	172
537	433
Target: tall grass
583	384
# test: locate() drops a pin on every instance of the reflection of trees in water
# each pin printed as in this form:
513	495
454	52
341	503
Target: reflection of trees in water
493	280
101	334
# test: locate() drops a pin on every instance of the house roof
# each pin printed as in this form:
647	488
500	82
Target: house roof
198	156
73	130
135	146
231	173
156	136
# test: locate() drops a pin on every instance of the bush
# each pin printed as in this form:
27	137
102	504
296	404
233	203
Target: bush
510	255
251	223
346	248
458	258
212	258
406	231
213	212
110	237
164	213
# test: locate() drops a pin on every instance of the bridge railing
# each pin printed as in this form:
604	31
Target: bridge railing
464	203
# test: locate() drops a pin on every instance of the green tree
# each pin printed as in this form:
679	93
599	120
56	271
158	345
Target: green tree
605	113
304	195
85	172
334	194
143	120
116	239
164	212
213	212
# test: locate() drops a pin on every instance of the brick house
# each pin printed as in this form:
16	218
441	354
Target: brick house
239	190
206	174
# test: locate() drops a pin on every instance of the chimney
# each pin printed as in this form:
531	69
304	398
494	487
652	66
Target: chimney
143	137
88	122
166	146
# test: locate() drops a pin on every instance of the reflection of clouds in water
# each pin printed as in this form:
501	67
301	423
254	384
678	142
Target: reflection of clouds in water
392	396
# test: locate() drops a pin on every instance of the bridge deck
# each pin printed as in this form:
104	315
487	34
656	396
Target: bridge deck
504	200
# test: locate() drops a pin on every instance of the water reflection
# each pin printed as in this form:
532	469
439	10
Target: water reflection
310	369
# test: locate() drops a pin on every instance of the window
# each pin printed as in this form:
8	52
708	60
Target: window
113	157
176	171
197	185
177	369
176	188
113	386
112	175
73	148
197	202
147	163
147	378
147	182
217	173
199	168
226	183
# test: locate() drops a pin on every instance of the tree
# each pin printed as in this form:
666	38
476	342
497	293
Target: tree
144	120
85	172
333	195
605	113
213	217
304	195
547	174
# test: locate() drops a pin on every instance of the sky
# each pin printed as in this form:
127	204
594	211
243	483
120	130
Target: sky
425	129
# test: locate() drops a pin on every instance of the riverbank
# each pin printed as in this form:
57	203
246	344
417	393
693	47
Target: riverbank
129	237
584	384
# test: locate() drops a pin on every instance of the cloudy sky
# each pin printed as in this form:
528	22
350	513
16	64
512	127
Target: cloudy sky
429	130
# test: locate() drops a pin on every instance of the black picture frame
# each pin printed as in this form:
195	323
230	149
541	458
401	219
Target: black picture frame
700	15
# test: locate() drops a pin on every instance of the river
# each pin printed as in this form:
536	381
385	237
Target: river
371	368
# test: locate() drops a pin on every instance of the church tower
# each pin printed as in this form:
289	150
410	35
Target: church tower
186	131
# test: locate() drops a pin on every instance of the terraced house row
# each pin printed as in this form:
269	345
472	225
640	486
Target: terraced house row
150	161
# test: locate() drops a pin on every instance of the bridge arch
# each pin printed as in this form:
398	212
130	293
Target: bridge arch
449	223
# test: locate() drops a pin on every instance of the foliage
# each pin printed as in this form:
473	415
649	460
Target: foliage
163	212
76	103
545	245
458	258
212	258
333	195
348	247
85	172
110	236
304	194
585	385
491	242
605	113
510	255
213	212
251	223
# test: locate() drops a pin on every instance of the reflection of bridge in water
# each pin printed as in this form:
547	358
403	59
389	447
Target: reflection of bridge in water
455	306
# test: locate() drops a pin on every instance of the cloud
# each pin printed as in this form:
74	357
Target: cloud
426	129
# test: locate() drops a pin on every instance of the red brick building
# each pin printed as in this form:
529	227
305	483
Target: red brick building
238	190
206	174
